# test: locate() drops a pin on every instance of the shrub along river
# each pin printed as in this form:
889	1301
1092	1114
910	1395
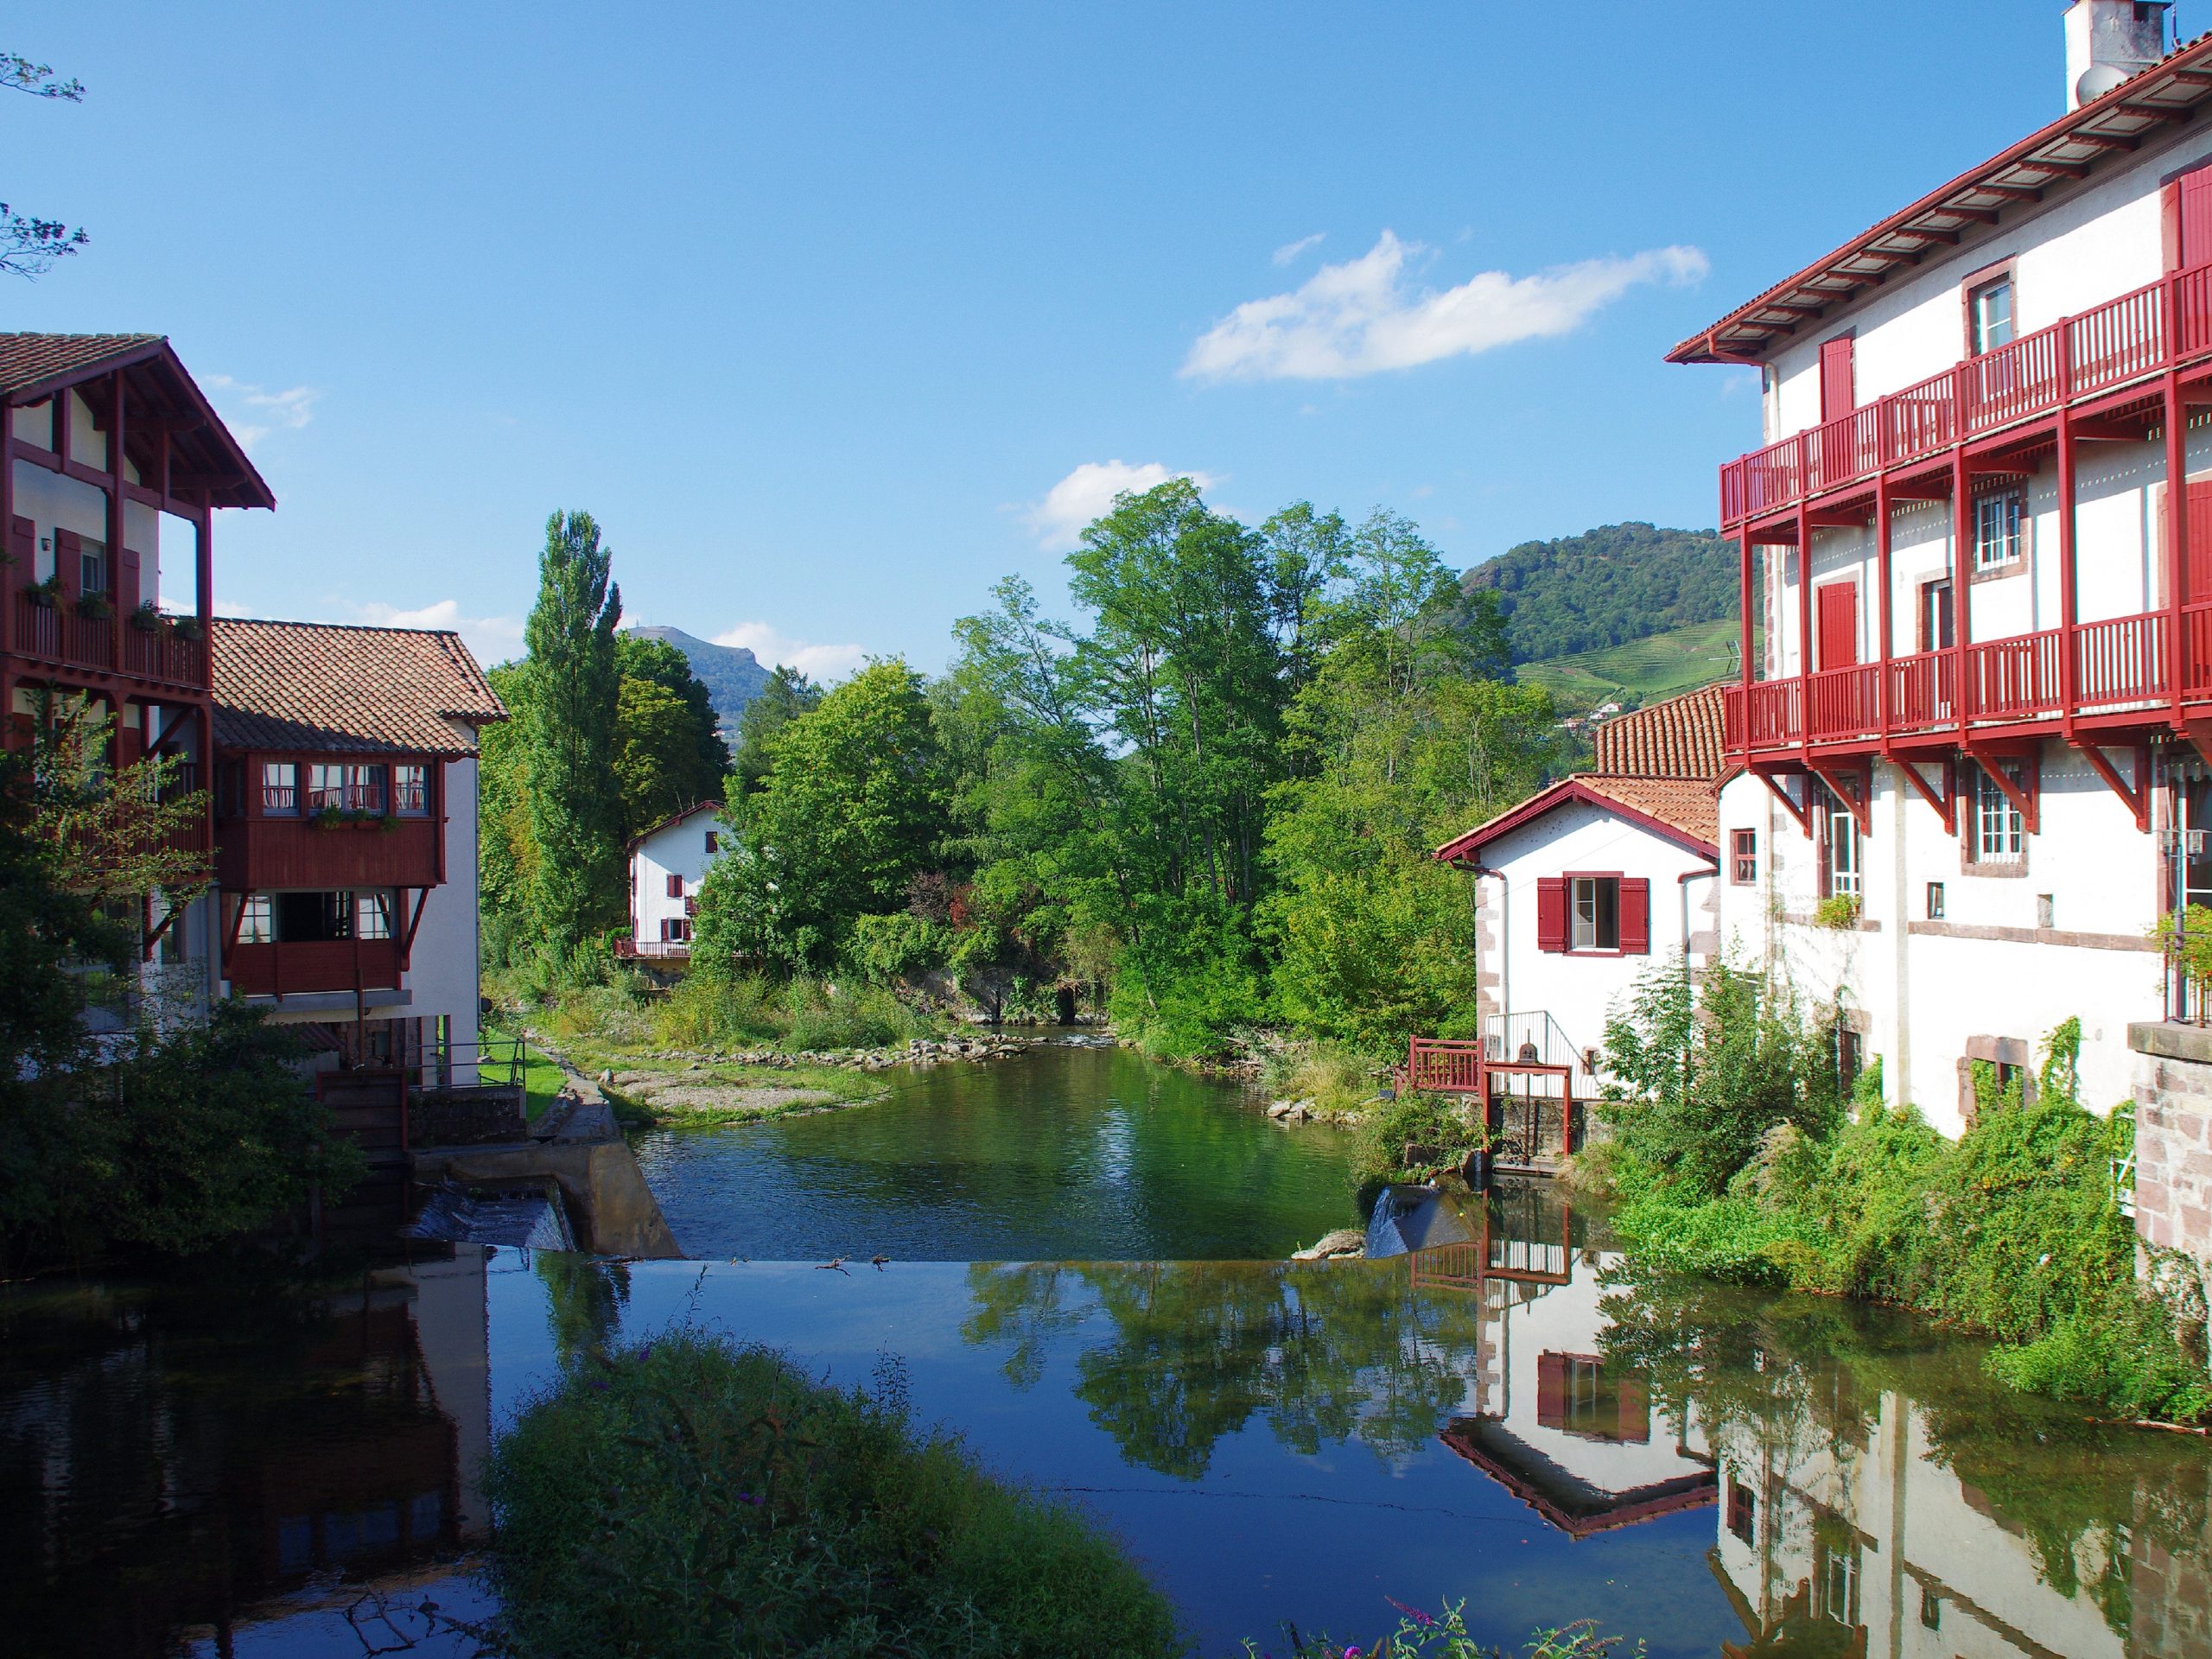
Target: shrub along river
270	1462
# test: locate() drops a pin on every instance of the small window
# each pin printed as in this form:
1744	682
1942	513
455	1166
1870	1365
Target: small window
1931	1609
1998	830
1937	630
1743	1512
1842	1587
1584	1402
1997	540
280	788
675	930
1850	1057
1743	869
411	790
256	923
91	566
1935	901
713	843
1594	913
1842	864
1989	310
2046	911
332	787
372	913
675	886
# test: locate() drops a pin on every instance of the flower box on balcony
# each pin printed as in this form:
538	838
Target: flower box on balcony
147	619
44	594
186	627
350	818
94	607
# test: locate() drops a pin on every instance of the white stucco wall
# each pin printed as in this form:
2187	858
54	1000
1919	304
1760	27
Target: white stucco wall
680	849
1921	990
442	970
1578	989
51	502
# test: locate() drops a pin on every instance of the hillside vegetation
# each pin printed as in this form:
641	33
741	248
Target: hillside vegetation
1607	587
732	675
1642	671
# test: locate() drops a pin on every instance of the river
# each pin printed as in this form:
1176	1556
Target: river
264	1463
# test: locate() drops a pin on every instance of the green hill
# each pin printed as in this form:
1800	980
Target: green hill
1608	586
1643	671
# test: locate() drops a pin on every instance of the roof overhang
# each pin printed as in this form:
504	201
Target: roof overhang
669	823
1566	792
2082	141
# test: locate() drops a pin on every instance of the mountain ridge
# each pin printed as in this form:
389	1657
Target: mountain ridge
732	674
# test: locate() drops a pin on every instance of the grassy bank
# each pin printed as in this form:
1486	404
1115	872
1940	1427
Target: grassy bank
1737	1157
694	1496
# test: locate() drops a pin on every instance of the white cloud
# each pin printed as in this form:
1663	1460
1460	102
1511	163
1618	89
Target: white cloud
776	649
1290	251
490	638
1088	492
253	412
1361	317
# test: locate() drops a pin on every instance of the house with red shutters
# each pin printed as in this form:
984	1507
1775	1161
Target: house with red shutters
667	864
1577	892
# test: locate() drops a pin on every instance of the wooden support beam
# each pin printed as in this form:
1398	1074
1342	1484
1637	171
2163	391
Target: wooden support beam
155	930
2097	141
406	949
2138	799
2007	193
1845	517
1852	788
1946	801
2022	797
1933	489
2056	169
1803	814
2110	431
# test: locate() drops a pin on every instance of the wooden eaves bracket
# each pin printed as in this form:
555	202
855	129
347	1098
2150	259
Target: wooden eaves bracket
2138	799
1852	789
407	947
1803	814
2025	799
1947	803
154	932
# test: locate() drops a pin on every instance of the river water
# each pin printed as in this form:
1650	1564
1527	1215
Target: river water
1068	1154
272	1463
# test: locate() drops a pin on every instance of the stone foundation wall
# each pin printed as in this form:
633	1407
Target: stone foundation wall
2173	1137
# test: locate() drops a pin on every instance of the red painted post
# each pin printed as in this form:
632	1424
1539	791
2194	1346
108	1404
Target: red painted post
2069	601
1962	575
1804	625
116	518
1744	632
2184	672
1882	698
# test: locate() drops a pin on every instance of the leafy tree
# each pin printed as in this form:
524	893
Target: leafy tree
30	245
787	694
506	847
853	805
570	714
1608	586
670	750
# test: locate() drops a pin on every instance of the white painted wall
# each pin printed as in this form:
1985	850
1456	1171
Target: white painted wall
51	501
679	849
443	969
1576	990
1922	989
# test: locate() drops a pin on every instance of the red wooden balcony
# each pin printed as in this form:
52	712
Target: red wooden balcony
2131	339
2120	665
290	970
1441	1066
56	634
269	855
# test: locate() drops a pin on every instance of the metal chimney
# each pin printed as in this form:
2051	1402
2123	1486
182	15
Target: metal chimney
2108	41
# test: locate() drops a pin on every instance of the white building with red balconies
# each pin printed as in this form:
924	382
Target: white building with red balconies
1973	749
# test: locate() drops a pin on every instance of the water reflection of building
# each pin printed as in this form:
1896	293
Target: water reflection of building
170	1461
1576	1438
1831	1544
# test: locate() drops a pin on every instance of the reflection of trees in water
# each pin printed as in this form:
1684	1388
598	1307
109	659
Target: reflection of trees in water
1780	1382
1172	1357
584	1299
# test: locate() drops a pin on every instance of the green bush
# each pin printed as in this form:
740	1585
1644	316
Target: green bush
695	1497
718	1011
897	946
1439	1121
847	1013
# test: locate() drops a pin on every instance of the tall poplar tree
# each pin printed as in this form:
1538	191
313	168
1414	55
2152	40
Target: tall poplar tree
574	686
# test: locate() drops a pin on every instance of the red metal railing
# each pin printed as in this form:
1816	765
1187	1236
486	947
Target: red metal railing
2109	346
1923	692
2197	650
2014	678
1442	1066
1844	702
2120	661
159	654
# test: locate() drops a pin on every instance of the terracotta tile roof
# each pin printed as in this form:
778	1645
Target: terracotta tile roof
327	686
1679	738
27	359
1691	805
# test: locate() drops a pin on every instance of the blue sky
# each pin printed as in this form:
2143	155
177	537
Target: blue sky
833	313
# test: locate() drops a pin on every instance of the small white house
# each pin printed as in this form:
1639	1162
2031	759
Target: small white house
667	864
1581	886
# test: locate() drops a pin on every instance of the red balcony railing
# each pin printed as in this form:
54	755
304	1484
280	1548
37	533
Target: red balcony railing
1441	1066
1844	702
54	633
2015	678
1923	692
2121	661
2125	339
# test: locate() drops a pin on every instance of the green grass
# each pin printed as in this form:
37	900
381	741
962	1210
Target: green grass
541	1079
1648	669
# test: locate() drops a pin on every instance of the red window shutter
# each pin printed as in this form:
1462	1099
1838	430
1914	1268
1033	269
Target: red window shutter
1839	624
2196	229
675	886
68	560
1839	393
1551	1390
2198	577
1551	912
126	581
1635	916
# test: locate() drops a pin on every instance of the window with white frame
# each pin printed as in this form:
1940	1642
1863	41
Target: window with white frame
1996	530
352	788
256	922
1594	913
280	787
91	565
372	915
410	789
1999	828
1844	860
1989	311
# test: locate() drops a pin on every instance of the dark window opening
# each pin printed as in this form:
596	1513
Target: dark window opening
1594	913
1743	1512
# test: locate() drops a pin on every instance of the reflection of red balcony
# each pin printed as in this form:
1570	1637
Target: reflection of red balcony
265	854
316	965
2132	339
2121	671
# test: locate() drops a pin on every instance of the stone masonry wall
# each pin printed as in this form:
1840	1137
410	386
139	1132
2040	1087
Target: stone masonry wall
2173	1137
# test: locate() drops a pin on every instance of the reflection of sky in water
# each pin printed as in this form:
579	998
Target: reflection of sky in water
1117	1139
